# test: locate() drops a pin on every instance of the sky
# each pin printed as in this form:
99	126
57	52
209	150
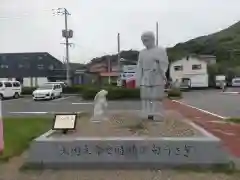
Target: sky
31	26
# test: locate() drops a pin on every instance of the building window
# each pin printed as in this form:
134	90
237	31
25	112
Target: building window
40	66
178	68
3	66
20	66
196	66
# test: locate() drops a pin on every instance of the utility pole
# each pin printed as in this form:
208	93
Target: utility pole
118	48
157	33
67	34
119	58
109	69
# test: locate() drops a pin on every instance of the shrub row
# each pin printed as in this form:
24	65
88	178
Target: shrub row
123	93
114	93
174	93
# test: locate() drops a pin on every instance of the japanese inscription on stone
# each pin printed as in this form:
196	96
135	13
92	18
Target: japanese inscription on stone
130	151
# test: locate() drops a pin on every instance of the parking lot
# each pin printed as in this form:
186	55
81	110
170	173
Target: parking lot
27	107
214	101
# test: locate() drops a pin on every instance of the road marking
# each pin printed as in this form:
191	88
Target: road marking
230	92
28	112
82	103
199	109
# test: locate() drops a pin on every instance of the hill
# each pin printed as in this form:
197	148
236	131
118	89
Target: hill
222	44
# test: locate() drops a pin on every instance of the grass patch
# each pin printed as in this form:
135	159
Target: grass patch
233	120
20	131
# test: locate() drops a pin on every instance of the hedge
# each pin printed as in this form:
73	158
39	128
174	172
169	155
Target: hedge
114	93
174	93
74	89
27	90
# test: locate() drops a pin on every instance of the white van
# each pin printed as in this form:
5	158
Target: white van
10	89
47	92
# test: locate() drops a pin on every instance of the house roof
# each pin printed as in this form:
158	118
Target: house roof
27	64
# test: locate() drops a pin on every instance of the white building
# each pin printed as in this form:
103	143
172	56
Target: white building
192	68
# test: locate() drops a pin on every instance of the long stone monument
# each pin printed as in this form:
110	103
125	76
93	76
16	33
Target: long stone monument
123	139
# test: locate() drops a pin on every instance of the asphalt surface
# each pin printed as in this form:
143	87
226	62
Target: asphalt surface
27	107
214	101
223	104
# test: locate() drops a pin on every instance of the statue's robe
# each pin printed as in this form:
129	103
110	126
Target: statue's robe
151	69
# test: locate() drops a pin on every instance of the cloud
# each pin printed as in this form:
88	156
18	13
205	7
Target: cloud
29	25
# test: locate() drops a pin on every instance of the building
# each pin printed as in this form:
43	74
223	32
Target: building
34	69
193	69
106	70
31	69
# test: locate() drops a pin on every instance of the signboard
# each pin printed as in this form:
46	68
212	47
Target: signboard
128	75
64	121
129	68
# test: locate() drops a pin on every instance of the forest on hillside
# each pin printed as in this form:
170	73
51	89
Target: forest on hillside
225	45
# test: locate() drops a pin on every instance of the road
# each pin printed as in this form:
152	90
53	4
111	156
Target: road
223	104
227	105
27	107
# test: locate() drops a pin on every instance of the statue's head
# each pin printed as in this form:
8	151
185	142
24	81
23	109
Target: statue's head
103	93
148	39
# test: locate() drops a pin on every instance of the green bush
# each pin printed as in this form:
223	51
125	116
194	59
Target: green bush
114	93
28	90
174	93
74	89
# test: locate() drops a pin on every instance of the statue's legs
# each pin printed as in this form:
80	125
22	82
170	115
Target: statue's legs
156	108
144	93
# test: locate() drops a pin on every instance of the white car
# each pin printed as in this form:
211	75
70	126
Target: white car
47	92
236	82
10	89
